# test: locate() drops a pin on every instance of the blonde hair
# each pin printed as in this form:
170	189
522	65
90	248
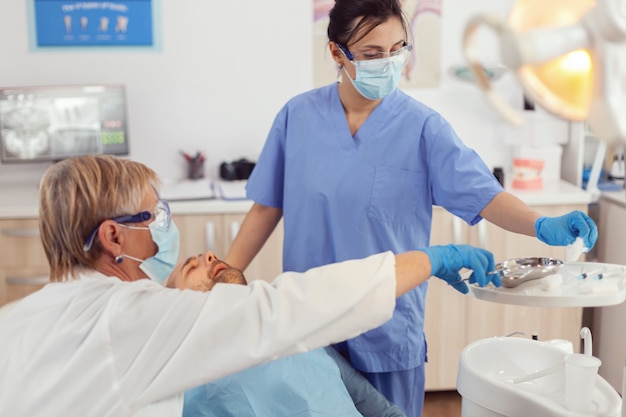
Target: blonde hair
75	196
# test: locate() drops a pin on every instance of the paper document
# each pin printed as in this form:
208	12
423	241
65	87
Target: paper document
187	190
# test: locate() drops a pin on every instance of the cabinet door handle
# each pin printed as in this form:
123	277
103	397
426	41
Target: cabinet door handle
209	231
20	232
482	234
27	281
457	230
234	229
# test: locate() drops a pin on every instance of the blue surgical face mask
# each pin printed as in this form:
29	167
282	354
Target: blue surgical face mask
160	266
377	78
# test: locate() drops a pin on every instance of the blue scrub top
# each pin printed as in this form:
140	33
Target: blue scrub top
347	197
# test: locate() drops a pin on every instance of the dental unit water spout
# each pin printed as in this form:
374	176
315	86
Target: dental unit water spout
585	334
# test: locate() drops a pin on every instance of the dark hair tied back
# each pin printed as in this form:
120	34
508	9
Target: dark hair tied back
342	18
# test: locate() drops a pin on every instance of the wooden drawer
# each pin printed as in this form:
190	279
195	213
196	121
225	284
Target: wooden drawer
200	233
20	245
15	284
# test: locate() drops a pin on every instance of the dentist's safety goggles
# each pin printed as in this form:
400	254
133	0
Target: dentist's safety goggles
373	54
162	218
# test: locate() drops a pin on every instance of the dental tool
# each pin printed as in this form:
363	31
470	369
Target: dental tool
467	275
514	272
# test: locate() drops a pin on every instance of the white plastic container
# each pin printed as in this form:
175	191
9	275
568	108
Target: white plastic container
581	372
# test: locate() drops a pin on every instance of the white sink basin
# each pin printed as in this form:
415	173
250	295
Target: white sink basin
488	367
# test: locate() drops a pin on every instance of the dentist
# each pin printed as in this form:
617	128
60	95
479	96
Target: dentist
355	167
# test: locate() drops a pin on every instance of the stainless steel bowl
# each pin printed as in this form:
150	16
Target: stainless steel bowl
514	272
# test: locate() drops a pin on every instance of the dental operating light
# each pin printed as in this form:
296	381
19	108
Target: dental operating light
569	56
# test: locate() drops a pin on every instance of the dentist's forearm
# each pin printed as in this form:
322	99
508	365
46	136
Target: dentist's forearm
254	231
512	214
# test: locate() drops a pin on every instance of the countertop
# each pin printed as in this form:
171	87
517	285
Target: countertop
20	201
617	197
555	192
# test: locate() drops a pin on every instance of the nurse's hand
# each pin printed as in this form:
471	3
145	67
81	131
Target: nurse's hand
446	261
563	230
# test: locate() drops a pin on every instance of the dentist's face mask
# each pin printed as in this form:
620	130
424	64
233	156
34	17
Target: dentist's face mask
377	74
164	234
161	265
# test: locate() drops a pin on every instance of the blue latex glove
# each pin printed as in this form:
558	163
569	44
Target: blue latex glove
563	230
446	261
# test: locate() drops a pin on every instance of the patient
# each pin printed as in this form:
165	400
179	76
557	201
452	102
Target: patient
317	383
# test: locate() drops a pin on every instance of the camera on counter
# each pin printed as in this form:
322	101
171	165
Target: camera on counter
236	170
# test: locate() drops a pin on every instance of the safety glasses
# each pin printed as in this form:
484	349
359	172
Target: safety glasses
162	219
374	54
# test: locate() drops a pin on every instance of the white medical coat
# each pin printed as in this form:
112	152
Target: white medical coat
99	346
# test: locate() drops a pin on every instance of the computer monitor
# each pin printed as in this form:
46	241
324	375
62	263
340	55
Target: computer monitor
50	123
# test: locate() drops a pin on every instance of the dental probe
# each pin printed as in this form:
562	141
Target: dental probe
466	276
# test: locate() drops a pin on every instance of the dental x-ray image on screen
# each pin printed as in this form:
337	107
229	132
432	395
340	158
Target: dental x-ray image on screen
55	122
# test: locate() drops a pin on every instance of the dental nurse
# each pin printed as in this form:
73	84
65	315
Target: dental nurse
355	167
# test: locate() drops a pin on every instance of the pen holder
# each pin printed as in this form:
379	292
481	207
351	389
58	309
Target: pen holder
196	169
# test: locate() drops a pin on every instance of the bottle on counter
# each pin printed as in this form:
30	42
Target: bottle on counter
616	174
498	172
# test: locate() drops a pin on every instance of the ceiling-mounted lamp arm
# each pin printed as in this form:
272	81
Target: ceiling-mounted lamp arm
520	49
471	55
607	21
474	64
608	102
607	24
541	45
551	65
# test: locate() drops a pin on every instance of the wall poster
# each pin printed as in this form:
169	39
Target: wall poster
424	68
60	23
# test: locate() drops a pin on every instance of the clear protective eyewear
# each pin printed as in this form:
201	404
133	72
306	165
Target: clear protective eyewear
162	218
374	54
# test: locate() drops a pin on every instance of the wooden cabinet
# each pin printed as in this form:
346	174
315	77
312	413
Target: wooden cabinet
445	323
454	320
608	324
23	264
215	232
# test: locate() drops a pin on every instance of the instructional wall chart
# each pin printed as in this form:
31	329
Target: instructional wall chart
86	23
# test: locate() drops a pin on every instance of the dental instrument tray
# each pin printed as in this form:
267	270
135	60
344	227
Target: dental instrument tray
514	272
551	283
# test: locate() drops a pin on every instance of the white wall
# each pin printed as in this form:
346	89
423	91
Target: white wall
223	71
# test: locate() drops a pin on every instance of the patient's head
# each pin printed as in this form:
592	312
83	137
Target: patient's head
202	272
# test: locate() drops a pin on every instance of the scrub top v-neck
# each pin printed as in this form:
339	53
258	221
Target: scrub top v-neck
367	130
346	197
